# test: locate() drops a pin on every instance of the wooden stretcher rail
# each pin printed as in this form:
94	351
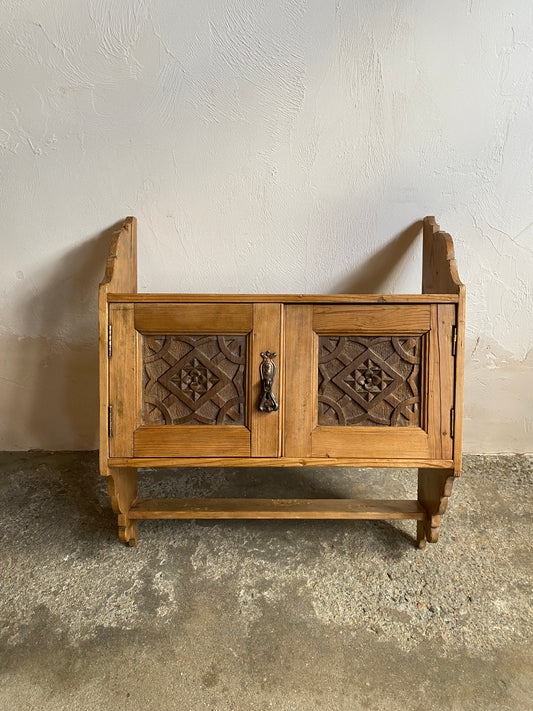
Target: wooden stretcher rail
396	509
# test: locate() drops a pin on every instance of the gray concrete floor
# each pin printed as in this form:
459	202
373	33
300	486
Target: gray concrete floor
258	615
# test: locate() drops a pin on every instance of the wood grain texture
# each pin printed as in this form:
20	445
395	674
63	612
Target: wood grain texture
388	320
301	381
459	382
440	381
122	488
191	441
125	386
432	379
121	264
267	335
368	442
286	298
434	489
103	380
439	276
277	462
369	381
220	318
193	380
439	267
120	275
446	316
405	443
429	447
278	509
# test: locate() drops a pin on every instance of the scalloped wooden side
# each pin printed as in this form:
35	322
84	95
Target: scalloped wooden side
434	489
122	488
121	264
120	276
439	268
440	276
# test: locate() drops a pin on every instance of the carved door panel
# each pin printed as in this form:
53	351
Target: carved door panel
184	379
365	381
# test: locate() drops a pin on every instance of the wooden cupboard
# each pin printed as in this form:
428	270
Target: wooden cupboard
282	380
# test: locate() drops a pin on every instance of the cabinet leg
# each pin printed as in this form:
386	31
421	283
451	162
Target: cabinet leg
122	487
421	537
434	488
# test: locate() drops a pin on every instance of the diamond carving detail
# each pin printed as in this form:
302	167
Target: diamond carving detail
194	380
369	381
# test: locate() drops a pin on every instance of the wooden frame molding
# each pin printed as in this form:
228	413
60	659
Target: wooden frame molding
294	327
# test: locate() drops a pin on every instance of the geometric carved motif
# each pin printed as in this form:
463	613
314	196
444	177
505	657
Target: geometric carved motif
369	381
194	380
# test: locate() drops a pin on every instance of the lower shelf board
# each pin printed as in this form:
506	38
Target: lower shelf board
117	462
278	508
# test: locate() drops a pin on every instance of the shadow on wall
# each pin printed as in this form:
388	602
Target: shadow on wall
371	276
56	403
52	400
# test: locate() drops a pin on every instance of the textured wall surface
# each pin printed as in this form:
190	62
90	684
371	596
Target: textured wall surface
287	146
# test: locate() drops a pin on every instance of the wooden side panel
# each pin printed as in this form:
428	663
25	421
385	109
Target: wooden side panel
267	336
459	382
192	441
121	265
122	488
439	268
103	379
434	490
120	275
440	276
374	320
191	319
124	380
301	380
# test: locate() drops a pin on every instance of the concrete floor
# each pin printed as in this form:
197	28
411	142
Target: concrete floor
263	615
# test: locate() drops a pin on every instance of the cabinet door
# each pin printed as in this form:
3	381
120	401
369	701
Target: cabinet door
372	381
184	379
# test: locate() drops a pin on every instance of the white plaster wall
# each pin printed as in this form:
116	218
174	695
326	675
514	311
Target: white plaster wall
264	147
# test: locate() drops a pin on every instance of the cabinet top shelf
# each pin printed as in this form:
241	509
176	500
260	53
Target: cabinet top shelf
286	298
440	279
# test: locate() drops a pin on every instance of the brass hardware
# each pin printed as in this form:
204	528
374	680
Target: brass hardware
452	423
110	421
109	340
267	371
454	340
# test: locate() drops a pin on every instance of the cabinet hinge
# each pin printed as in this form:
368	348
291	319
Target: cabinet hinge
110	421
452	422
454	340
109	340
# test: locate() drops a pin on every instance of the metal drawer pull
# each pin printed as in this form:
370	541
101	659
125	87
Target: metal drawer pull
267	371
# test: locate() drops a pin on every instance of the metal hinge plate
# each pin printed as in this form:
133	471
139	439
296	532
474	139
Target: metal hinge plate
454	340
452	423
110	421
109	340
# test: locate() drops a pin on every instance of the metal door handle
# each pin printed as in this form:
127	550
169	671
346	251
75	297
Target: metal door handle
267	371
